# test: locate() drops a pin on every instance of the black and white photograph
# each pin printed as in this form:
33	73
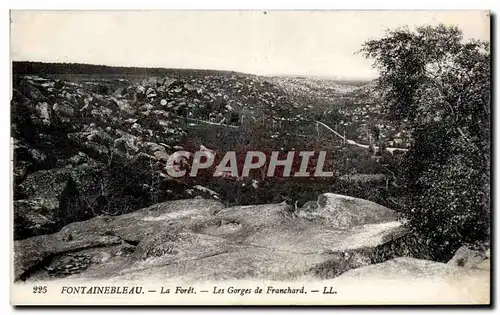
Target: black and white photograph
170	157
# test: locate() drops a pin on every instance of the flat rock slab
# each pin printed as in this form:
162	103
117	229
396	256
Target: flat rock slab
411	280
345	211
107	230
200	239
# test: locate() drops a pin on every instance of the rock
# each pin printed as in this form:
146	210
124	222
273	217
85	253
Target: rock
179	245
126	143
161	156
484	264
124	106
94	149
79	158
413	281
140	89
192	238
132	227
146	107
307	208
358	260
153	147
345	211
119	92
150	93
157	150
43	113
407	280
102	113
161	114
47	191
403	267
30	252
46	184
339	263
68	264
168	82
34	216
64	110
131	120
31	91
94	142
467	258
196	238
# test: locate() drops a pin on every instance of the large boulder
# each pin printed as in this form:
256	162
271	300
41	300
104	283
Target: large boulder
345	211
49	184
94	141
28	89
407	280
64	111
52	198
200	239
34	216
43	114
468	258
100	231
125	107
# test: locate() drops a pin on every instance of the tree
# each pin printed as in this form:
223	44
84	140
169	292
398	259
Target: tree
440	83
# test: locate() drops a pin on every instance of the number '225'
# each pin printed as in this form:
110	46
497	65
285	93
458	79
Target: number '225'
40	289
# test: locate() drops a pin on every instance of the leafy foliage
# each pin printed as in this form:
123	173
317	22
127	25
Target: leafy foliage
440	84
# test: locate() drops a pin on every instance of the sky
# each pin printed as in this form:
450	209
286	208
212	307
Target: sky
320	43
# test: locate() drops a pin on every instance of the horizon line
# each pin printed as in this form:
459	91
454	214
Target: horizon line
317	76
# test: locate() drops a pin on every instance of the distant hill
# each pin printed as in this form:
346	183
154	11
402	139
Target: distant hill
29	67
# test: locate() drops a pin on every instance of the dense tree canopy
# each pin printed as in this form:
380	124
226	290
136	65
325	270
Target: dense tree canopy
440	84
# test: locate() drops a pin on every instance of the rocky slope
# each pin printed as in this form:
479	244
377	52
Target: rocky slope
84	147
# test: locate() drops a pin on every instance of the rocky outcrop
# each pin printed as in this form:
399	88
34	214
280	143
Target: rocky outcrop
49	184
407	280
45	194
103	231
201	239
345	211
